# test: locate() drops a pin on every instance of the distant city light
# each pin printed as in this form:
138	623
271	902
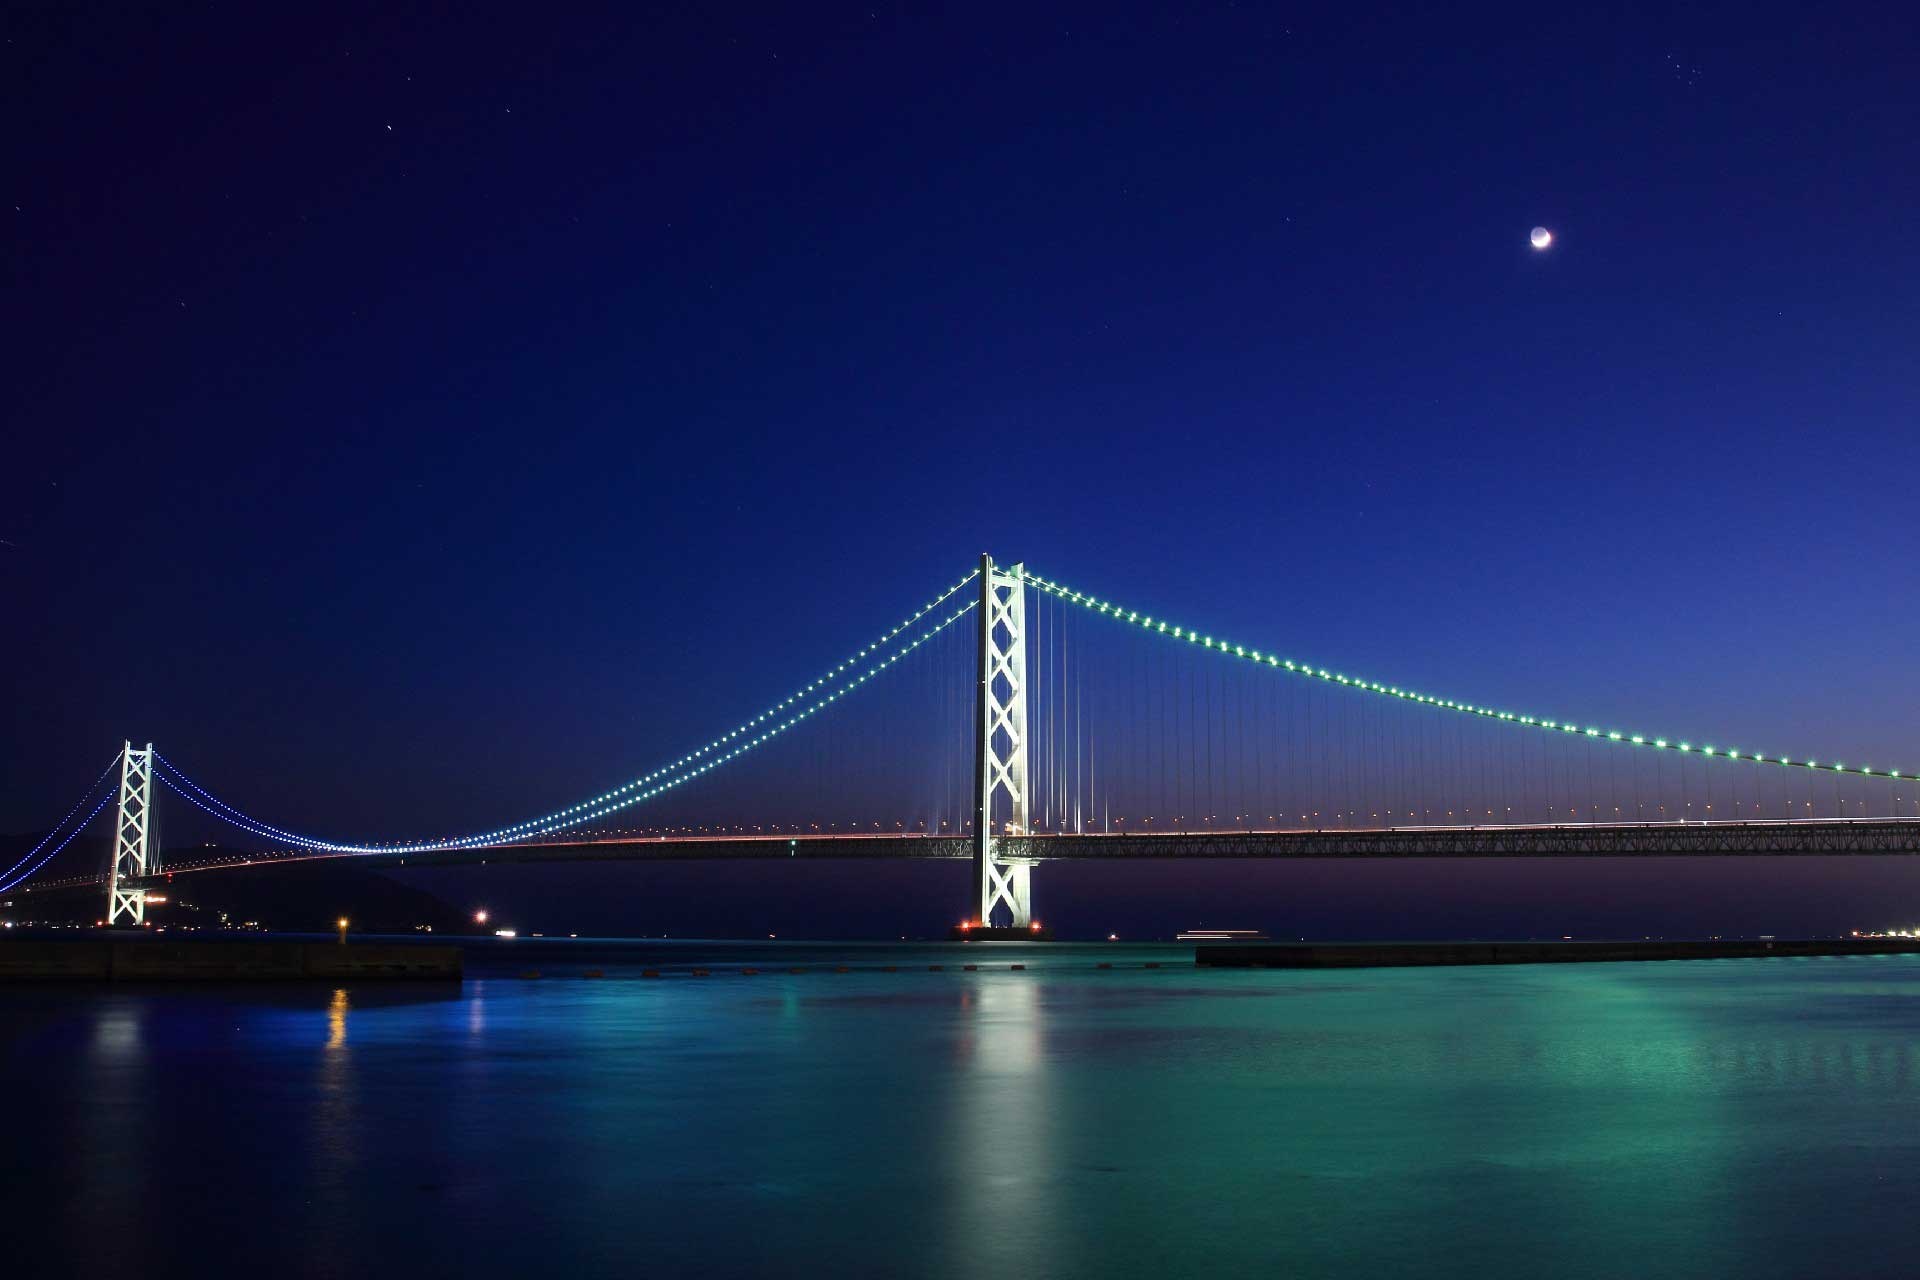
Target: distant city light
480	917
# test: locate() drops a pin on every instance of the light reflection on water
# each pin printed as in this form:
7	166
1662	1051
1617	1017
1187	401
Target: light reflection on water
1758	1117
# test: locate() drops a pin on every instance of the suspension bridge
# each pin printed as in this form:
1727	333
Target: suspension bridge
1013	720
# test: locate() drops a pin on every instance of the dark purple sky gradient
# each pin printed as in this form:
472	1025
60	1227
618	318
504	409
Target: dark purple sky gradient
421	422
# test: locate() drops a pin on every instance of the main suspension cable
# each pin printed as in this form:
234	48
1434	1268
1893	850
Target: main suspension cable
1160	626
58	826
810	699
30	871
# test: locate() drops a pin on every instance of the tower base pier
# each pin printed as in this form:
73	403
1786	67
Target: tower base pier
1035	932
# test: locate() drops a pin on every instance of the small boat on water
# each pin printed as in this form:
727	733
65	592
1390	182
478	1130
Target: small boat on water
1220	935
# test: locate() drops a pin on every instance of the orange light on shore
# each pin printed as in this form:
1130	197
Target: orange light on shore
480	917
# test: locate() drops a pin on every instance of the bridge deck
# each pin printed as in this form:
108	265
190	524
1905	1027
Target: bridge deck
1729	839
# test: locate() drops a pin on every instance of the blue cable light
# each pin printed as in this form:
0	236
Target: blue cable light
665	778
104	801
63	821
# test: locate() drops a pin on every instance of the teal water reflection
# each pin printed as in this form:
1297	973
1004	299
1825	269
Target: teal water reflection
1750	1117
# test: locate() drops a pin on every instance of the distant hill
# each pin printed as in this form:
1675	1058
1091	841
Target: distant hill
297	898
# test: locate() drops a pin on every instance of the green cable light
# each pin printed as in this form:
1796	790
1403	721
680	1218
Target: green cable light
1306	671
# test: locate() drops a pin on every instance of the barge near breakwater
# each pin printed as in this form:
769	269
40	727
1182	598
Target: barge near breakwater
1374	955
219	960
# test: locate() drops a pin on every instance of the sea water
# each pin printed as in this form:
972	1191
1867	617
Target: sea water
1745	1118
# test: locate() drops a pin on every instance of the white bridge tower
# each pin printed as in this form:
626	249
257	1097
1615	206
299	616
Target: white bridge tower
1001	763
130	854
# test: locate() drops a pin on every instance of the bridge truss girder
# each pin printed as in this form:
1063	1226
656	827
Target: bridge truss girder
1884	837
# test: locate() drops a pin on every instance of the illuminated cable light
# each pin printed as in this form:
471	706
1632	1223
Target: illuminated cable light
576	815
53	852
54	830
1042	583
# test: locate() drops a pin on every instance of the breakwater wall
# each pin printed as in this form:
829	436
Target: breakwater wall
1373	955
158	960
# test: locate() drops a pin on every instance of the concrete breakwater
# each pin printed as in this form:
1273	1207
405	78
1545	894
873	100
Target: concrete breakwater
157	960
1369	955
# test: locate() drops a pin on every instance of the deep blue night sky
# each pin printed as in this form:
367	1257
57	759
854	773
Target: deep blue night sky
420	422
